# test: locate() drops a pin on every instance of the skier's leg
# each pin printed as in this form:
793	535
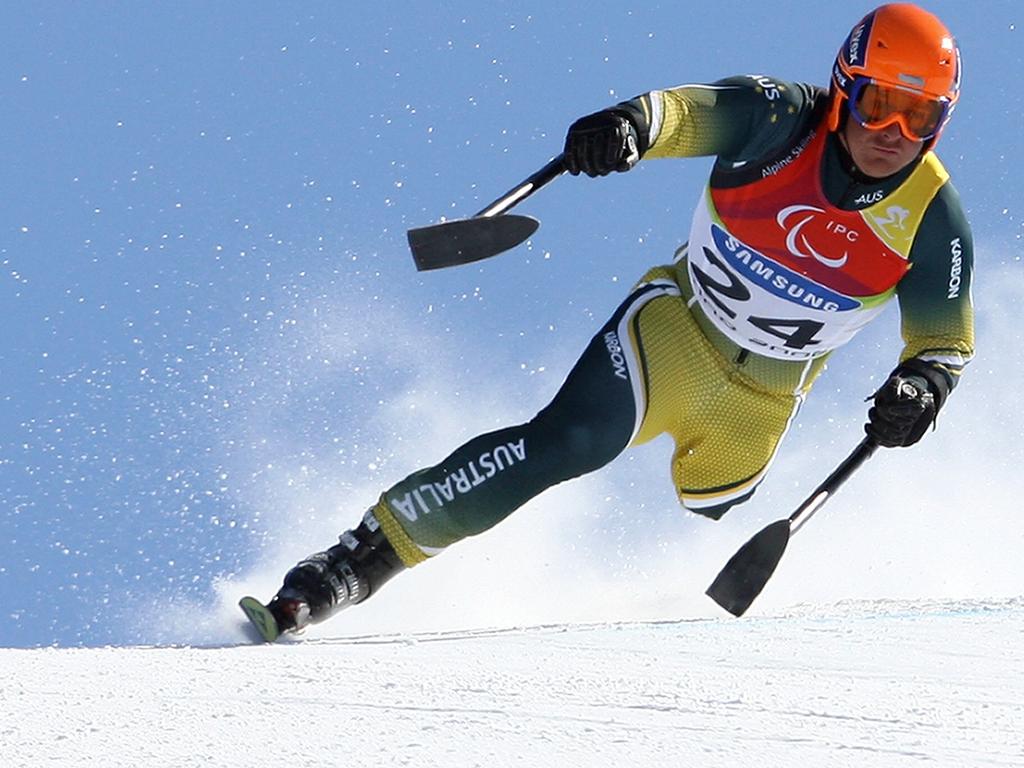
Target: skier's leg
726	409
591	420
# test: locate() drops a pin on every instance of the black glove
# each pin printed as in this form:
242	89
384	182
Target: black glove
904	407
601	143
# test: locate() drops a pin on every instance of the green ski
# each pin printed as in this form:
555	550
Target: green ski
261	618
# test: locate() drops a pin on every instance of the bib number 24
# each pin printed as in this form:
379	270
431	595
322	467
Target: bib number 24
796	334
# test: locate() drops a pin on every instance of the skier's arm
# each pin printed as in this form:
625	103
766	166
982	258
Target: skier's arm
937	324
936	310
736	119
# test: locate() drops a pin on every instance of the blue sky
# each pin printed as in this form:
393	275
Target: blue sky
216	351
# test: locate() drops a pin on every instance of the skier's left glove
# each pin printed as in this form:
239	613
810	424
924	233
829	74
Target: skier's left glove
905	405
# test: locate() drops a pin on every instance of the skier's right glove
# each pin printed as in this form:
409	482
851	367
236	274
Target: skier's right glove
904	407
600	143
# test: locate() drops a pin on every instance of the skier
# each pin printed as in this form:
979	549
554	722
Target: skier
822	205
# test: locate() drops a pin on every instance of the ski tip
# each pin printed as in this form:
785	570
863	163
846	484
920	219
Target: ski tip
261	618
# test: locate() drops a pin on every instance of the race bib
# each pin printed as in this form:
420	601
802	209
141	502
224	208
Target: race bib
766	306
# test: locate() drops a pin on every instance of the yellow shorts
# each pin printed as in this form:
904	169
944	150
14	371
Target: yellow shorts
727	421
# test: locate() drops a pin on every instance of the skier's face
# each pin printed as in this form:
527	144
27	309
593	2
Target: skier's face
879	153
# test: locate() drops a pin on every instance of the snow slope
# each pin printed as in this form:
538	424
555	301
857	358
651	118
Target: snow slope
872	683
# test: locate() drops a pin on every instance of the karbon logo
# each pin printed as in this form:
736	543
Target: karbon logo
956	252
611	341
795	218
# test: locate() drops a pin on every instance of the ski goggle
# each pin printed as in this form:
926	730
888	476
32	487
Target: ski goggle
878	105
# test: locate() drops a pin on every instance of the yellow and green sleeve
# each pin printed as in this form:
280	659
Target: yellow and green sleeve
738	118
936	309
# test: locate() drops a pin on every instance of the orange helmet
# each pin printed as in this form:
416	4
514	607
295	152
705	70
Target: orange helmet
899	65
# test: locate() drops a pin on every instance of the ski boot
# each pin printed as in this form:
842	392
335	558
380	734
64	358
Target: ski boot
326	582
323	583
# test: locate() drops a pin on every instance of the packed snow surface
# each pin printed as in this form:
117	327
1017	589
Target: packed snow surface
884	684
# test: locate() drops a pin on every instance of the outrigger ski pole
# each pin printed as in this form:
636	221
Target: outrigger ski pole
487	233
748	571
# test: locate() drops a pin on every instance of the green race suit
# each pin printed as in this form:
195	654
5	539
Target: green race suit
791	251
